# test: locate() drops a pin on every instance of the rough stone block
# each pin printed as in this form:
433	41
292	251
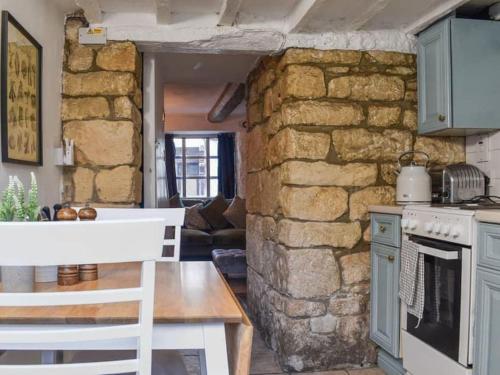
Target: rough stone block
392	58
320	173
410	120
263	192
301	308
80	58
321	113
303	82
388	173
120	184
311	273
265	80
360	200
256	149
442	150
383	116
324	324
313	203
347	305
84	108
355	267
124	108
372	87
316	56
83	183
402	70
99	83
71	29
254	113
309	234
292	144
118	56
356	144
103	143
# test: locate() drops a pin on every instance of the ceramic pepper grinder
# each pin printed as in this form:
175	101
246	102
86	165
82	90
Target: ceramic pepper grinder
87	272
67	274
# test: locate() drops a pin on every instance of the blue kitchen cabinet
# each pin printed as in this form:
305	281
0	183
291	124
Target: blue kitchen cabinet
384	294
487	307
458	80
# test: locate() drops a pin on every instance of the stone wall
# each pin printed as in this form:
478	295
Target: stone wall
325	131
101	105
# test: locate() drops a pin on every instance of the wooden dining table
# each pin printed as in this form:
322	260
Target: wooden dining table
194	309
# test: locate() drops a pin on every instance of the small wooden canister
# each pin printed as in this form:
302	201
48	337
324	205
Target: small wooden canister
88	272
67	274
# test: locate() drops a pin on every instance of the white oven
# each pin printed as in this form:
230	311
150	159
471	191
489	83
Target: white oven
443	338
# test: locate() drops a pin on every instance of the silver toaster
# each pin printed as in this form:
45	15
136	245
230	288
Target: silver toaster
457	183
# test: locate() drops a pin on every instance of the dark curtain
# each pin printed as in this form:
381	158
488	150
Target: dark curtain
227	181
170	164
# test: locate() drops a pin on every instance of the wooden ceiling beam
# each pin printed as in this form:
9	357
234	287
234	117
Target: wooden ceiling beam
231	97
228	12
299	14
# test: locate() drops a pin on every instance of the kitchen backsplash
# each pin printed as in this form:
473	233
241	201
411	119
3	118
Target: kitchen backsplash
483	151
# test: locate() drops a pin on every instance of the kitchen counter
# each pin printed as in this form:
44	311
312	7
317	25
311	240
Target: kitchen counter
392	210
489	216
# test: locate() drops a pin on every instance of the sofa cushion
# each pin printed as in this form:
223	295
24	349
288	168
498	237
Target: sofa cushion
175	201
229	237
236	213
194	220
195	237
212	212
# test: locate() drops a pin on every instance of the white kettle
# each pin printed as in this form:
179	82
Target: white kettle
413	185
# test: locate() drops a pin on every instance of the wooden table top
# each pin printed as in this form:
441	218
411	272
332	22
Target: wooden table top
186	292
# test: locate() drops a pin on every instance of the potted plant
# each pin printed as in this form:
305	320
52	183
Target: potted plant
15	207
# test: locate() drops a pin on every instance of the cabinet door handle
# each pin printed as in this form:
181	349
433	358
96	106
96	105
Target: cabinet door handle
390	258
382	228
442	118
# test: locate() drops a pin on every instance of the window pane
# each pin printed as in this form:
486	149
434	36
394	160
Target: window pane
196	167
179	187
196	147
213	146
196	188
214	187
214	164
178	167
178	146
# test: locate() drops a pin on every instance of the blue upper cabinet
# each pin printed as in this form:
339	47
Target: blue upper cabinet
458	77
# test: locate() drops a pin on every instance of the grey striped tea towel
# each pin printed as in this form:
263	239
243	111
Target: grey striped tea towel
411	279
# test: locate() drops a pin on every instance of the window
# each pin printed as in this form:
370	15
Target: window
196	165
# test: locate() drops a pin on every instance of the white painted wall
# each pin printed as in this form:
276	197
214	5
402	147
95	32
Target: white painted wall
483	151
45	22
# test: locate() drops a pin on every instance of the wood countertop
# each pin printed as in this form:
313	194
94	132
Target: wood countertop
186	292
489	216
392	210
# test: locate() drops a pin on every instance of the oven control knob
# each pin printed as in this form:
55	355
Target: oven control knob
456	231
413	224
405	223
446	230
428	227
437	228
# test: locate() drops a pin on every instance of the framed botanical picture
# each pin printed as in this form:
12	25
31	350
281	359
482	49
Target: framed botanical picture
20	90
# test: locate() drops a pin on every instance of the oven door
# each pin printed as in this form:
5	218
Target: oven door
446	318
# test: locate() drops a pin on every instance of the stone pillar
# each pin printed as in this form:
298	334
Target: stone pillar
101	105
325	131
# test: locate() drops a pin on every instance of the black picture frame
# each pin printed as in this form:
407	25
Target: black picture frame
28	131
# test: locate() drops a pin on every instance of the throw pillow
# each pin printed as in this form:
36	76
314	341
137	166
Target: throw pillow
193	219
212	212
236	213
175	201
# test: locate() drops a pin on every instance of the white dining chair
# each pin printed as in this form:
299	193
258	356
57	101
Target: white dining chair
55	243
172	217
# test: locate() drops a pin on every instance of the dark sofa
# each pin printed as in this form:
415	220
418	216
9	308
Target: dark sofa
198	245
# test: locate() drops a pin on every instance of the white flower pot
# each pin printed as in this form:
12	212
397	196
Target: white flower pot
18	279
46	274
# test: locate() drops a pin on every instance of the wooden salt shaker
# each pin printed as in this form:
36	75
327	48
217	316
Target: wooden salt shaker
67	274
88	272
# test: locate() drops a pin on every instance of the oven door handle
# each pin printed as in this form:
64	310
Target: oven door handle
442	254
